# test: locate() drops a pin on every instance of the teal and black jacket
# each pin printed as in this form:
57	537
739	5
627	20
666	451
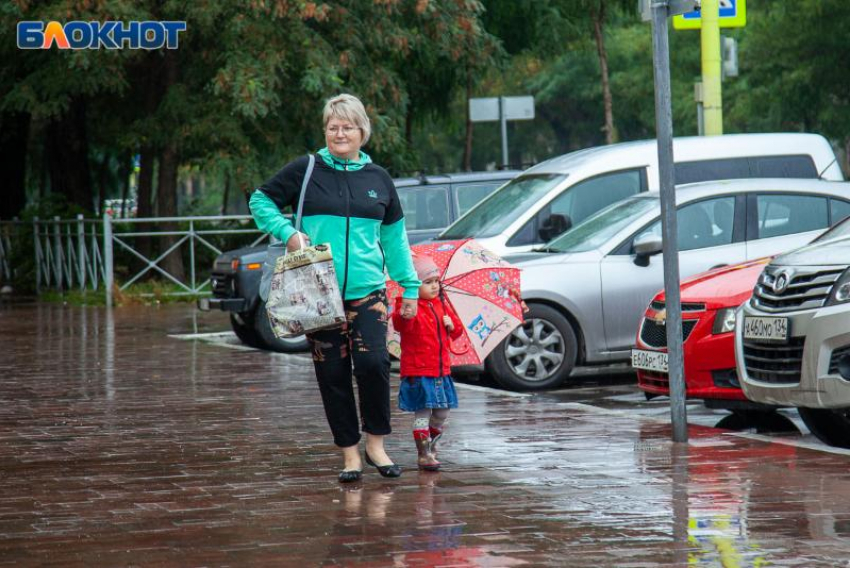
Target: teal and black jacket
353	205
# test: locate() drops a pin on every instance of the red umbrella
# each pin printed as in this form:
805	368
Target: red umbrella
484	291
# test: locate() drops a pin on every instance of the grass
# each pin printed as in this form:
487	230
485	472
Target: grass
149	293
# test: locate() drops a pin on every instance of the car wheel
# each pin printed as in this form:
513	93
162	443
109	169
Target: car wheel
759	421
270	341
540	354
829	426
243	327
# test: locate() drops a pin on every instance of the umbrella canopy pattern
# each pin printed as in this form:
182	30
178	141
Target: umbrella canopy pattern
484	291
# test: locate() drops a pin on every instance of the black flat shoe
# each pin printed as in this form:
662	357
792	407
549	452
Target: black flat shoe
391	470
350	476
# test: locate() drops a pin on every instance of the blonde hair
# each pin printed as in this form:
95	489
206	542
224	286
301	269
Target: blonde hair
348	107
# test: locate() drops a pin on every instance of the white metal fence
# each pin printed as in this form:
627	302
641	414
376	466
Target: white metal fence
191	237
80	253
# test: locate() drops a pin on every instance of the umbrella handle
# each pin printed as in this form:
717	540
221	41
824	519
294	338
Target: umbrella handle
451	343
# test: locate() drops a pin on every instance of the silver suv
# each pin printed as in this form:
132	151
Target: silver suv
792	341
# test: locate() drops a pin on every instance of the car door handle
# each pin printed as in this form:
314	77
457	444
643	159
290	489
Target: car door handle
718	266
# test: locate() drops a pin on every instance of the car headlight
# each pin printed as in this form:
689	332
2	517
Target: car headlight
724	320
840	290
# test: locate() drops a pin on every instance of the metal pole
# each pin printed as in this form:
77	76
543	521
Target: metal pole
81	251
38	255
504	123
664	132
107	257
711	66
192	252
58	264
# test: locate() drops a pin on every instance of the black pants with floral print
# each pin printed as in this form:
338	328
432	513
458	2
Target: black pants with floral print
362	344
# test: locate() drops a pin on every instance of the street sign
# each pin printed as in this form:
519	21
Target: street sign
674	7
484	109
487	109
502	109
733	14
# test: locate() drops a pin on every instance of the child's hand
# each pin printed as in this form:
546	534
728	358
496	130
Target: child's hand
447	321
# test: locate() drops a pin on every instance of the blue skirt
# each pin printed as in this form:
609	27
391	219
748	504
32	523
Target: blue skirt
419	393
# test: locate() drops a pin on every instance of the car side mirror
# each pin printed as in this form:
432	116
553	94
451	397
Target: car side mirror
646	246
554	225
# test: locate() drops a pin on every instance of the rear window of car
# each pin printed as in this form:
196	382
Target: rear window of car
791	166
467	195
425	207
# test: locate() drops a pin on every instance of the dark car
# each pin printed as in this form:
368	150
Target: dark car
430	203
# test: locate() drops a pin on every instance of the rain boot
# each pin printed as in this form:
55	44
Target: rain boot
436	434
427	462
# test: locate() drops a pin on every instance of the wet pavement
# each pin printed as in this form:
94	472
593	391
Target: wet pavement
123	445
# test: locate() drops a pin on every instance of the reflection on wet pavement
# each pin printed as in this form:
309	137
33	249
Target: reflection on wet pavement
121	445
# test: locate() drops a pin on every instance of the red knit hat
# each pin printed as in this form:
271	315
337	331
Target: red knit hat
425	266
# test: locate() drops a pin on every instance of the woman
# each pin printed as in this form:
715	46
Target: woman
352	204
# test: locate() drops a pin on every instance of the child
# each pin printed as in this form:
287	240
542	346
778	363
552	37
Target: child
426	386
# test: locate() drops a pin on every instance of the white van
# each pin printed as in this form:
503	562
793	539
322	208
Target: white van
549	198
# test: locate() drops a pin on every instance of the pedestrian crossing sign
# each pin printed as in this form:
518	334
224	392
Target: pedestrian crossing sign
733	14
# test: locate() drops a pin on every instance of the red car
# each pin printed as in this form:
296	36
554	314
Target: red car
709	302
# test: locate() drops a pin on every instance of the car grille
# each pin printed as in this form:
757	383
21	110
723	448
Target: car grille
222	285
779	364
836	357
686	307
807	288
654	334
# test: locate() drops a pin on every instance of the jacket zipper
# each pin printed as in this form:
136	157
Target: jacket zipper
347	233
439	336
383	257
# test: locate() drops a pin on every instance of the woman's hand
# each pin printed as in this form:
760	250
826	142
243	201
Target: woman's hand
294	244
447	321
408	308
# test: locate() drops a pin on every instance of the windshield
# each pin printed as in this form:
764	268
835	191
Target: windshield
842	229
597	229
503	207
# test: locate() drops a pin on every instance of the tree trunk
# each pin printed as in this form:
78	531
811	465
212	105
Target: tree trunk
69	160
166	191
166	198
14	132
598	33
467	148
226	196
408	126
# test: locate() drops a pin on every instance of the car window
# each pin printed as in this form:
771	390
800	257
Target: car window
783	214
792	166
601	227
425	207
469	194
839	230
783	167
708	170
703	224
577	203
838	210
502	207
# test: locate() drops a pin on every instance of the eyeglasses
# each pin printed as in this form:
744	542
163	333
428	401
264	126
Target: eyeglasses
347	130
344	129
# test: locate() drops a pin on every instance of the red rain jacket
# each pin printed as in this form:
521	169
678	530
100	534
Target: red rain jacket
425	339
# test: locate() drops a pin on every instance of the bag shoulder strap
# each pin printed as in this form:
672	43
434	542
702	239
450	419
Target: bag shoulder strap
309	172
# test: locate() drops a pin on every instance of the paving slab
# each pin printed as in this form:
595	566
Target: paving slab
123	445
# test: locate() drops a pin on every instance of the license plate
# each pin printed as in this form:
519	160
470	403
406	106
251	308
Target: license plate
766	329
649	360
